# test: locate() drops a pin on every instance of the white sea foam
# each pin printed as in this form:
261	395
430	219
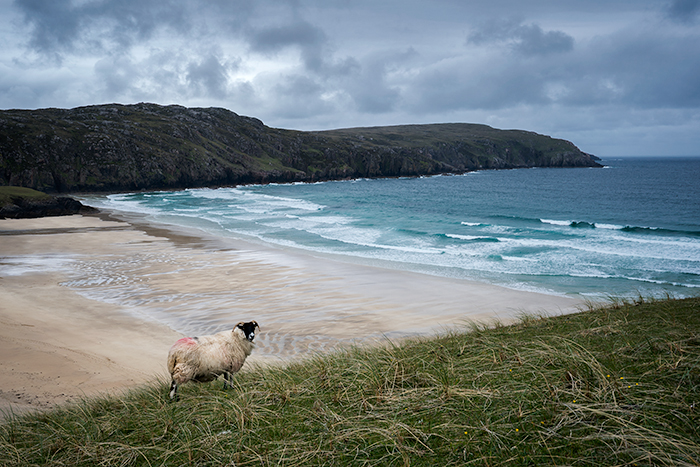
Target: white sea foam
471	237
519	258
609	226
260	202
121	202
329	220
218	193
192	210
29	264
556	222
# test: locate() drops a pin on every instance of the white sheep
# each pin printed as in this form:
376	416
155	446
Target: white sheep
204	358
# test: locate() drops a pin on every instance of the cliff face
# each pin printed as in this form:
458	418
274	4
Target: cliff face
147	146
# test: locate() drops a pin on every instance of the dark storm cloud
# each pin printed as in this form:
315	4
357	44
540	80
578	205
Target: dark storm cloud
58	26
54	24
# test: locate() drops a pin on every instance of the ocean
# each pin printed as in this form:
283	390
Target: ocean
631	228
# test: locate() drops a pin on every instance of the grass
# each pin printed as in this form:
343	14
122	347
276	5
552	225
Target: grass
612	385
9	193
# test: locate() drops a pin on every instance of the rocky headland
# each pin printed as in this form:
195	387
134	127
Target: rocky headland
148	147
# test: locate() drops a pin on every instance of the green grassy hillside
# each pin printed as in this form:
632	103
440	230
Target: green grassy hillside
10	193
618	385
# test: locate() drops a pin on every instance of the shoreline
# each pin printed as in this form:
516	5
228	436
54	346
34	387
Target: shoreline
91	304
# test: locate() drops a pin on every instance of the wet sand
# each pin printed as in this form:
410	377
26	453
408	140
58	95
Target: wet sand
92	304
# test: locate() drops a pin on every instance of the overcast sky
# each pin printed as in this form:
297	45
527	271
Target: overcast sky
616	77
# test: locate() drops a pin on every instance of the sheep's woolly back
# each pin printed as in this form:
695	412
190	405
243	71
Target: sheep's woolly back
204	358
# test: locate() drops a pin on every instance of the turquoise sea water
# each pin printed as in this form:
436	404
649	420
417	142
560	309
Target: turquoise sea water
630	228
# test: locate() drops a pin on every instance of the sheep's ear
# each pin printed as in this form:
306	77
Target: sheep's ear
254	323
239	325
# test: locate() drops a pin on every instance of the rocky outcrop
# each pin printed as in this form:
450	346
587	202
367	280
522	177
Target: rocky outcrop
147	146
23	208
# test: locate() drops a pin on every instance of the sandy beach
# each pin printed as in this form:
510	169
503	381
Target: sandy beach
91	304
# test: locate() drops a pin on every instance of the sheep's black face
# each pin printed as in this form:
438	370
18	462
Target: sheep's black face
248	329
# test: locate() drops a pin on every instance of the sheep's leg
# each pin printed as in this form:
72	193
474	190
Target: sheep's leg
228	380
173	391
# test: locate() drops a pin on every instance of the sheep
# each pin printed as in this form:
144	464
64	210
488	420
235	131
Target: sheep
204	358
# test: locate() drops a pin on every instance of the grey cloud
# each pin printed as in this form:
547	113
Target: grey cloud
649	69
116	76
30	90
636	68
494	31
54	23
59	25
297	96
170	76
363	62
684	11
528	39
368	84
344	86
316	51
209	77
375	99
273	39
533	41
461	84
309	38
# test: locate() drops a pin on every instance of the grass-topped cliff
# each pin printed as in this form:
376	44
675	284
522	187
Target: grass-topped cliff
618	385
21	202
147	146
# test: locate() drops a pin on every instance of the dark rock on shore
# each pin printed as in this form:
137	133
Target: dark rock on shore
147	147
31	204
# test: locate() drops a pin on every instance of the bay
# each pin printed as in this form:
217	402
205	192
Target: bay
631	228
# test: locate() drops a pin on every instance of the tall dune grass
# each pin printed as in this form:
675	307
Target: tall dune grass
616	385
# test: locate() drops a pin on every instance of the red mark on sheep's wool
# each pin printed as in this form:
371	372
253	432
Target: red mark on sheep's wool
186	341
